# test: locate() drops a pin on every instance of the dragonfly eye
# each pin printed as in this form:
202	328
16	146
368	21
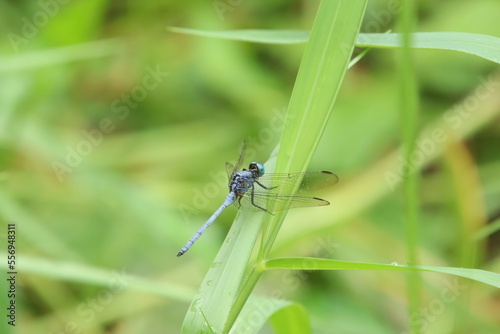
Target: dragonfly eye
257	167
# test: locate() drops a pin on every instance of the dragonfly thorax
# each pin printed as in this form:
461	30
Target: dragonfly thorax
242	181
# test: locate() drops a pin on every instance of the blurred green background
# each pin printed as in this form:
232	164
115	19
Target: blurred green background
114	133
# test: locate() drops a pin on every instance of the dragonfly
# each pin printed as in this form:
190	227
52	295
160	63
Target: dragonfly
253	189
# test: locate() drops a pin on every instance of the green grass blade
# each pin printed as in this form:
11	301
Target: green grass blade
322	69
478	275
250	35
488	230
224	291
320	76
290	319
214	299
285	316
62	55
484	46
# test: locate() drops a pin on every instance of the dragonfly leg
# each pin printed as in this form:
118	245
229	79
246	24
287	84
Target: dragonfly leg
253	203
263	186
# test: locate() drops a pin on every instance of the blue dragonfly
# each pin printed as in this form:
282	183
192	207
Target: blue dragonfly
253	189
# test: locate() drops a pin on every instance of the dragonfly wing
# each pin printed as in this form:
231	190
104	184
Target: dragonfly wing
241	157
286	182
276	202
230	169
317	180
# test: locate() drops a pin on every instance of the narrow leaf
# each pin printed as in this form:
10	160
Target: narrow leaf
478	275
484	46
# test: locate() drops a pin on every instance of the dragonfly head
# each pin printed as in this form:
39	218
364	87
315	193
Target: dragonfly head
256	168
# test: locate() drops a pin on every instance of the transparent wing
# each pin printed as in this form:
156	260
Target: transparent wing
281	196
230	169
285	182
276	202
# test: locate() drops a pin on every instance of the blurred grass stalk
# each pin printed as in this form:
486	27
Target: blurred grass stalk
233	275
409	123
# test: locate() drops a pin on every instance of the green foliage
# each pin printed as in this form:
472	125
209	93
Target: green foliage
114	131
